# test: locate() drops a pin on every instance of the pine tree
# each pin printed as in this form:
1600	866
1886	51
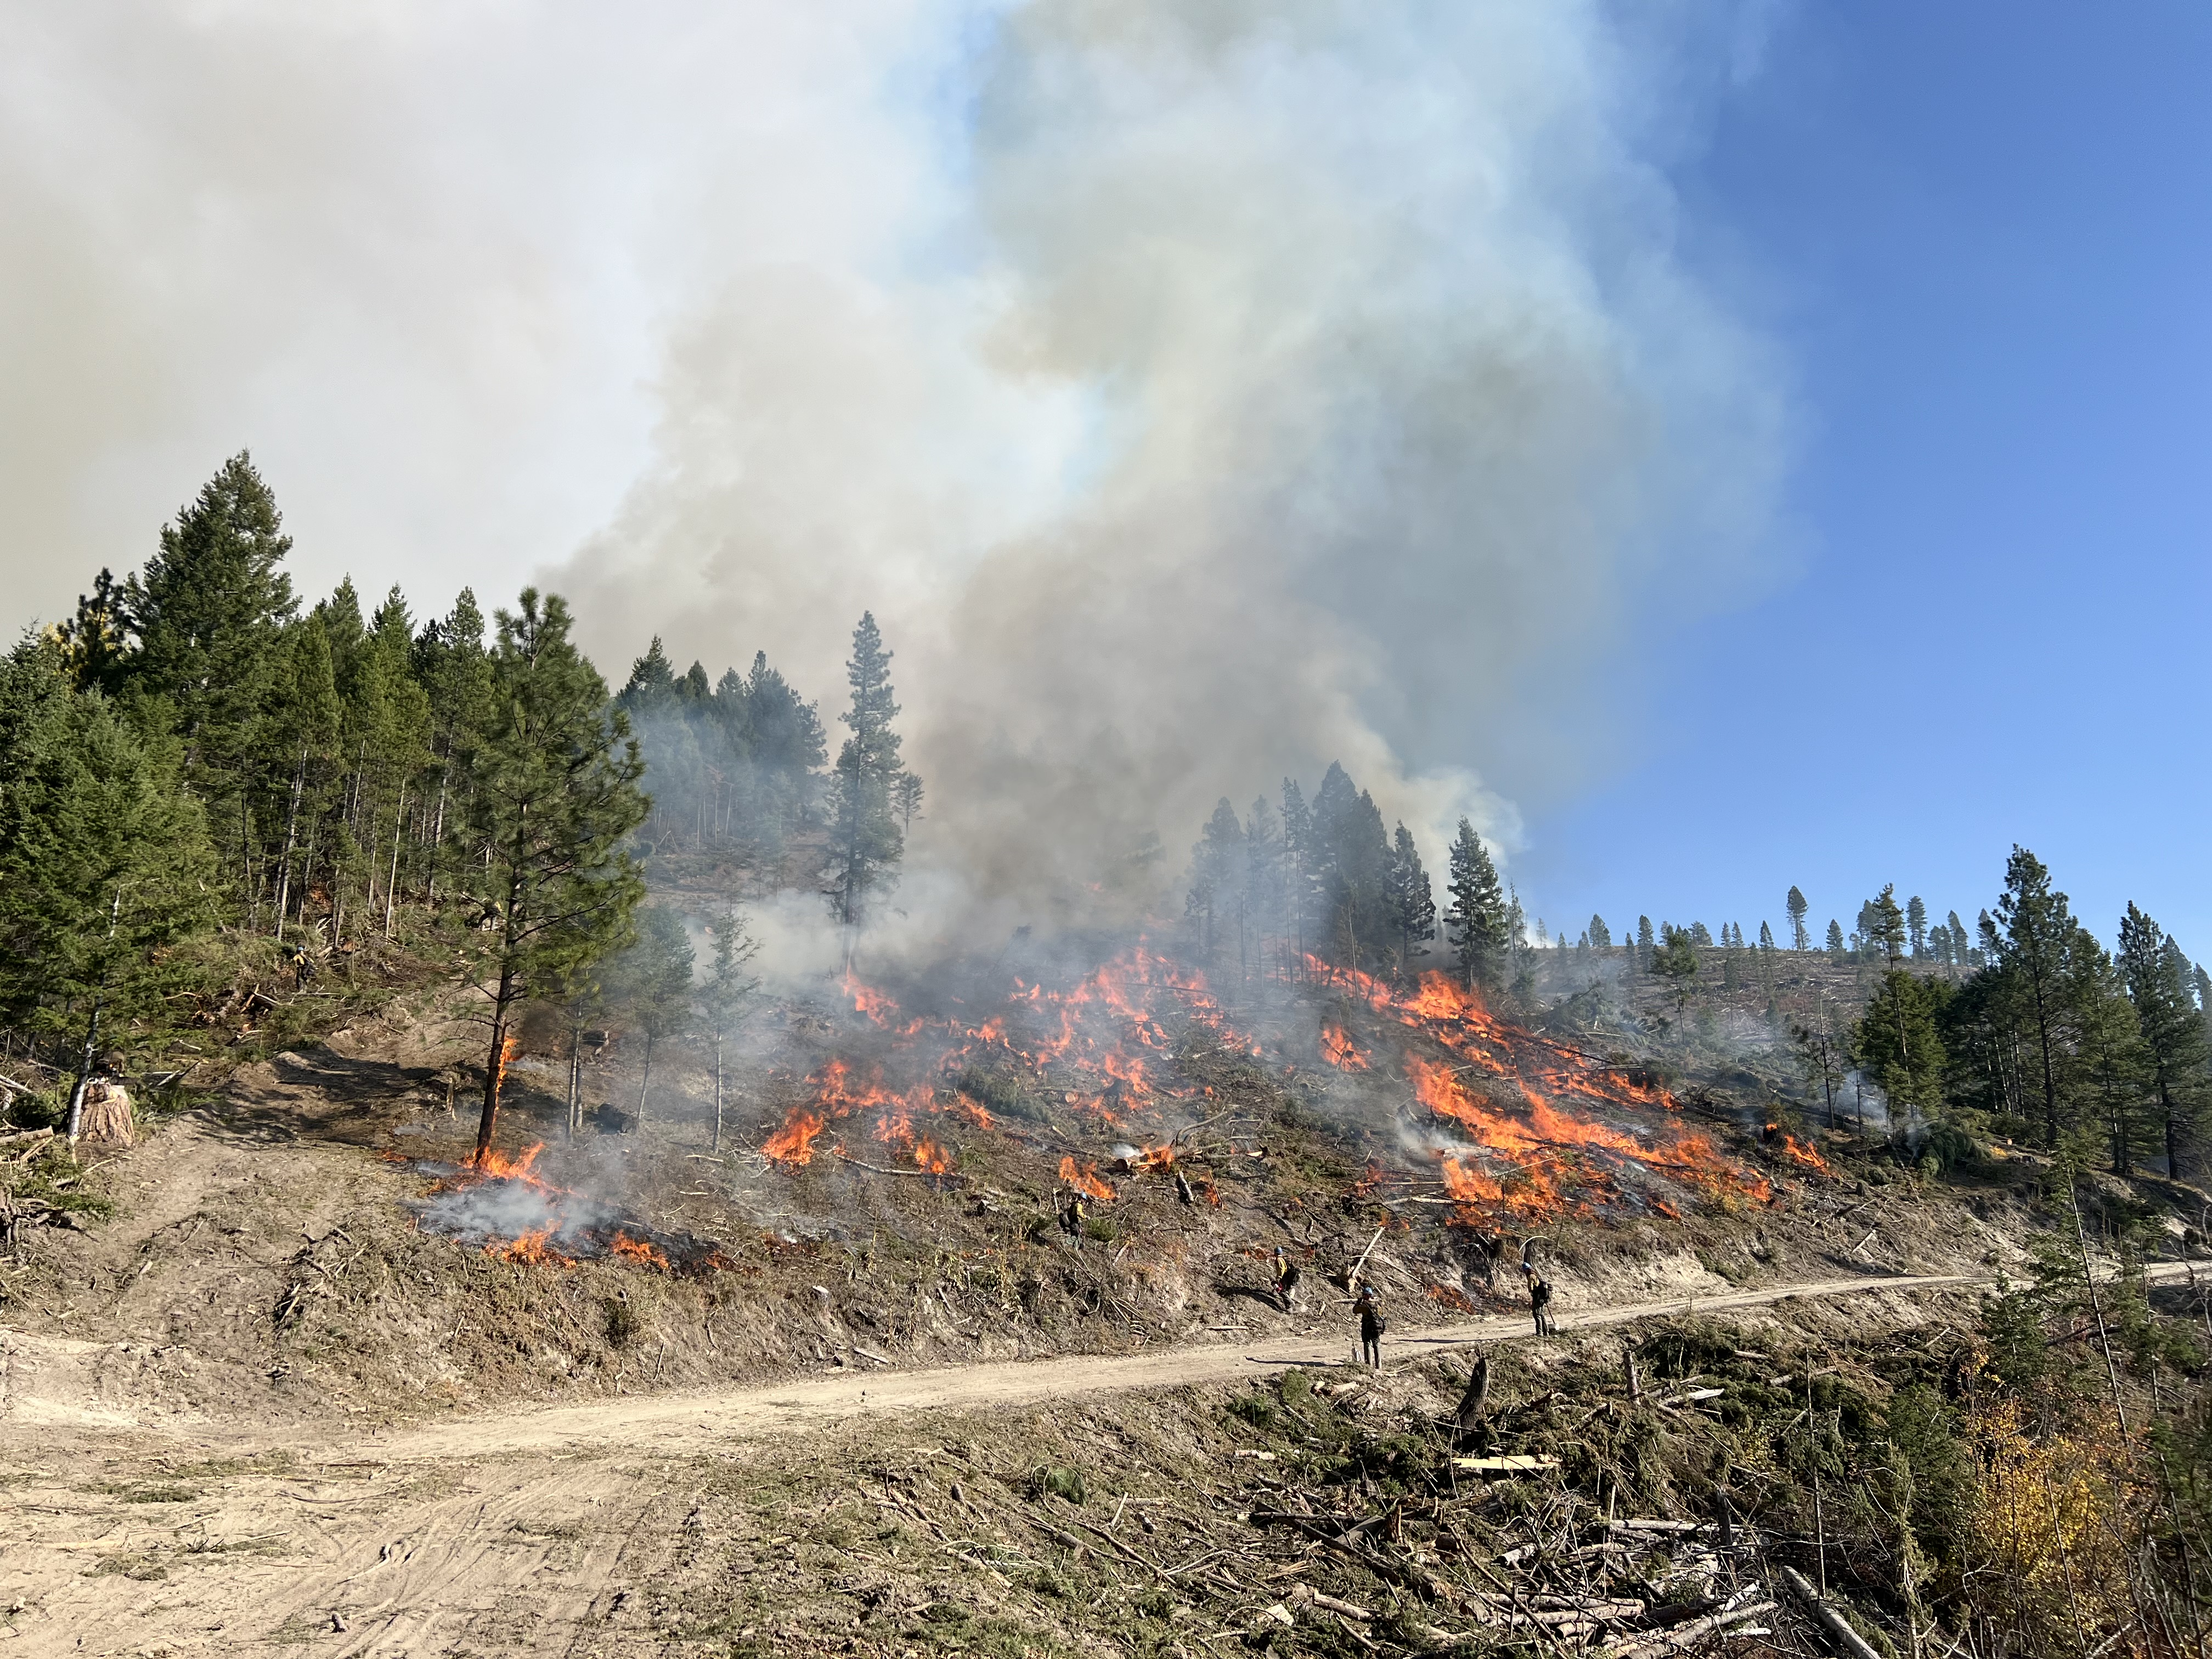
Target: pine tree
1351	870
865	835
1264	885
104	862
554	792
905	798
1412	902
652	686
652	981
2037	935
307	723
1795	905
1646	942
208	611
1835	941
2157	974
1216	862
1915	926
1600	936
1881	925
1474	920
1896	1042
1766	937
454	670
1675	961
1298	868
722	997
96	640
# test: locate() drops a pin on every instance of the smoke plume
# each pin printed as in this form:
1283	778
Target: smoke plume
1197	391
1319	383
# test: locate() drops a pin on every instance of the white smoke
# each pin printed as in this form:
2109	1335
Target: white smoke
1319	385
1198	391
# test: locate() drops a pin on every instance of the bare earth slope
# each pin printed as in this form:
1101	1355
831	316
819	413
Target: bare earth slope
577	1529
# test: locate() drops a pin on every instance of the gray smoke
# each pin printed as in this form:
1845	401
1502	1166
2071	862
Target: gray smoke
1198	391
1322	386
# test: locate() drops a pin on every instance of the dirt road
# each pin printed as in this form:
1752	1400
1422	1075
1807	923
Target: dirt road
554	1530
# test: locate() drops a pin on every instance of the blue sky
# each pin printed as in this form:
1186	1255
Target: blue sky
1980	234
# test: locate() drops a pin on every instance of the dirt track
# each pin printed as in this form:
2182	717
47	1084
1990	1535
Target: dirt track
686	1418
544	1531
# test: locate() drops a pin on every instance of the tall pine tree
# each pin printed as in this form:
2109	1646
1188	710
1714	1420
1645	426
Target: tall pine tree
2176	1057
1475	920
554	794
1412	902
865	840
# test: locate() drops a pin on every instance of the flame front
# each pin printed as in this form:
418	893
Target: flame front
1084	1179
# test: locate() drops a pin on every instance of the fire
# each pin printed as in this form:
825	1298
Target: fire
495	1165
636	1249
1085	1179
794	1144
1800	1151
1338	1049
1543	1146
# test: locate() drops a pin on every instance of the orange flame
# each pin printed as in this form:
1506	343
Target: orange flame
1085	1179
794	1144
1338	1049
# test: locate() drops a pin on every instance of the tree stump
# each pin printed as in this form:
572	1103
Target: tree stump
107	1121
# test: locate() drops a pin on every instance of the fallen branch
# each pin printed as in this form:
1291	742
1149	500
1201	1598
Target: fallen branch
1848	1640
1682	1635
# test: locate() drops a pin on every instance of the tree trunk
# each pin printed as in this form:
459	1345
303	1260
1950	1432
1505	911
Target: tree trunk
575	1077
718	1091
291	833
392	884
495	1065
645	1077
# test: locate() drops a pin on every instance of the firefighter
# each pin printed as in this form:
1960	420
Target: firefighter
1071	1215
1372	1324
1540	1302
1286	1279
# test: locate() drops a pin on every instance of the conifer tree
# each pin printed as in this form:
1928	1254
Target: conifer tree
104	861
906	796
206	611
653	982
306	722
2038	934
1474	920
1646	942
1412	902
1264	884
1835	941
1915	926
1795	905
1766	937
1298	868
554	792
865	836
454	670
1600	936
1215	863
722	996
1896	1042
1352	870
1675	961
96	640
1881	924
2157	976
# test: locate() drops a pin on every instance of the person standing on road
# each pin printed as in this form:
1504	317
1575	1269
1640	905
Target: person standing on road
1371	1327
1540	1302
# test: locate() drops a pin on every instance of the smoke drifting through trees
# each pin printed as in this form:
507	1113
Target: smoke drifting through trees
1335	405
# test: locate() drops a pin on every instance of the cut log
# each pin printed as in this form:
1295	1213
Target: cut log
1511	1464
1848	1640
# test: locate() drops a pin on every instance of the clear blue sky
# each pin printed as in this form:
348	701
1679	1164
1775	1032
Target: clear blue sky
1983	233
